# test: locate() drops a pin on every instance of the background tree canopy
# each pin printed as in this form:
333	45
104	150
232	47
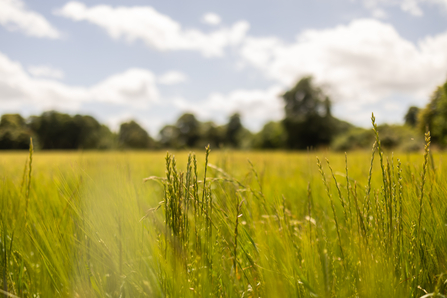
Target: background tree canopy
308	123
62	131
411	117
14	134
434	116
132	135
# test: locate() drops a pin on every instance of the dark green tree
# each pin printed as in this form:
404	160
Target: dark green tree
61	131
169	136
55	130
211	134
14	133
132	135
272	136
308	121
88	131
188	128
12	121
107	138
411	117
434	116
234	129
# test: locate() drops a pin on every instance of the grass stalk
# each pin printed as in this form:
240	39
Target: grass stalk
367	199
342	201
424	170
30	167
332	206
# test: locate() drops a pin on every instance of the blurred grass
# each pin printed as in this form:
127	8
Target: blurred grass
258	228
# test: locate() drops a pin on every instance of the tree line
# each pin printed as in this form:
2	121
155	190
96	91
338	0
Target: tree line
308	123
53	130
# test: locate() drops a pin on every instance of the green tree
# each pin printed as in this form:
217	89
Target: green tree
14	133
132	135
107	138
272	136
434	116
55	130
88	131
411	117
188	130
15	121
234	128
61	131
308	121
211	134
169	136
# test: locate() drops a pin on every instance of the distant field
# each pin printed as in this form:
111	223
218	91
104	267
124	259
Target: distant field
84	224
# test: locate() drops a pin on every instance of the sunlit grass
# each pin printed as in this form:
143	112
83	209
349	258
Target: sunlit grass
262	225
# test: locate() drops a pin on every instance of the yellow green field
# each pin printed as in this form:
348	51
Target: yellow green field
261	224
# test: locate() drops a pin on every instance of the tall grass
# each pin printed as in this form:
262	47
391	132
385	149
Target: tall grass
278	225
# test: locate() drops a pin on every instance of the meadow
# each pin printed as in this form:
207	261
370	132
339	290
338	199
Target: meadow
223	224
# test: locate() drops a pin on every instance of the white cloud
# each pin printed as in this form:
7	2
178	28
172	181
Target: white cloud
172	78
131	88
412	7
14	16
45	71
379	13
364	62
211	19
256	106
155	29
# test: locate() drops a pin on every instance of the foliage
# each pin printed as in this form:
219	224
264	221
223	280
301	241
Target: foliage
272	136
355	138
234	128
434	116
308	121
107	138
403	138
14	133
169	137
132	135
56	130
211	134
188	132
245	139
411	117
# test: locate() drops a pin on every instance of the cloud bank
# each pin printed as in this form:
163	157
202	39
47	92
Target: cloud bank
155	29
413	7
133	87
364	63
45	71
172	78
211	18
14	16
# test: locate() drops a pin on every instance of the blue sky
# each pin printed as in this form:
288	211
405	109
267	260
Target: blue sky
153	60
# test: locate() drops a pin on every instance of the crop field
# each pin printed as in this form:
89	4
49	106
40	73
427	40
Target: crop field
223	224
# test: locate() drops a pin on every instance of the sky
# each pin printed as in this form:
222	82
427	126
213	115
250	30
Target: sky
152	61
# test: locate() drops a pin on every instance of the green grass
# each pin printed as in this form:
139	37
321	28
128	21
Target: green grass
249	224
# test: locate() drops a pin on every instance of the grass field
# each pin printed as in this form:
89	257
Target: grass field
249	224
